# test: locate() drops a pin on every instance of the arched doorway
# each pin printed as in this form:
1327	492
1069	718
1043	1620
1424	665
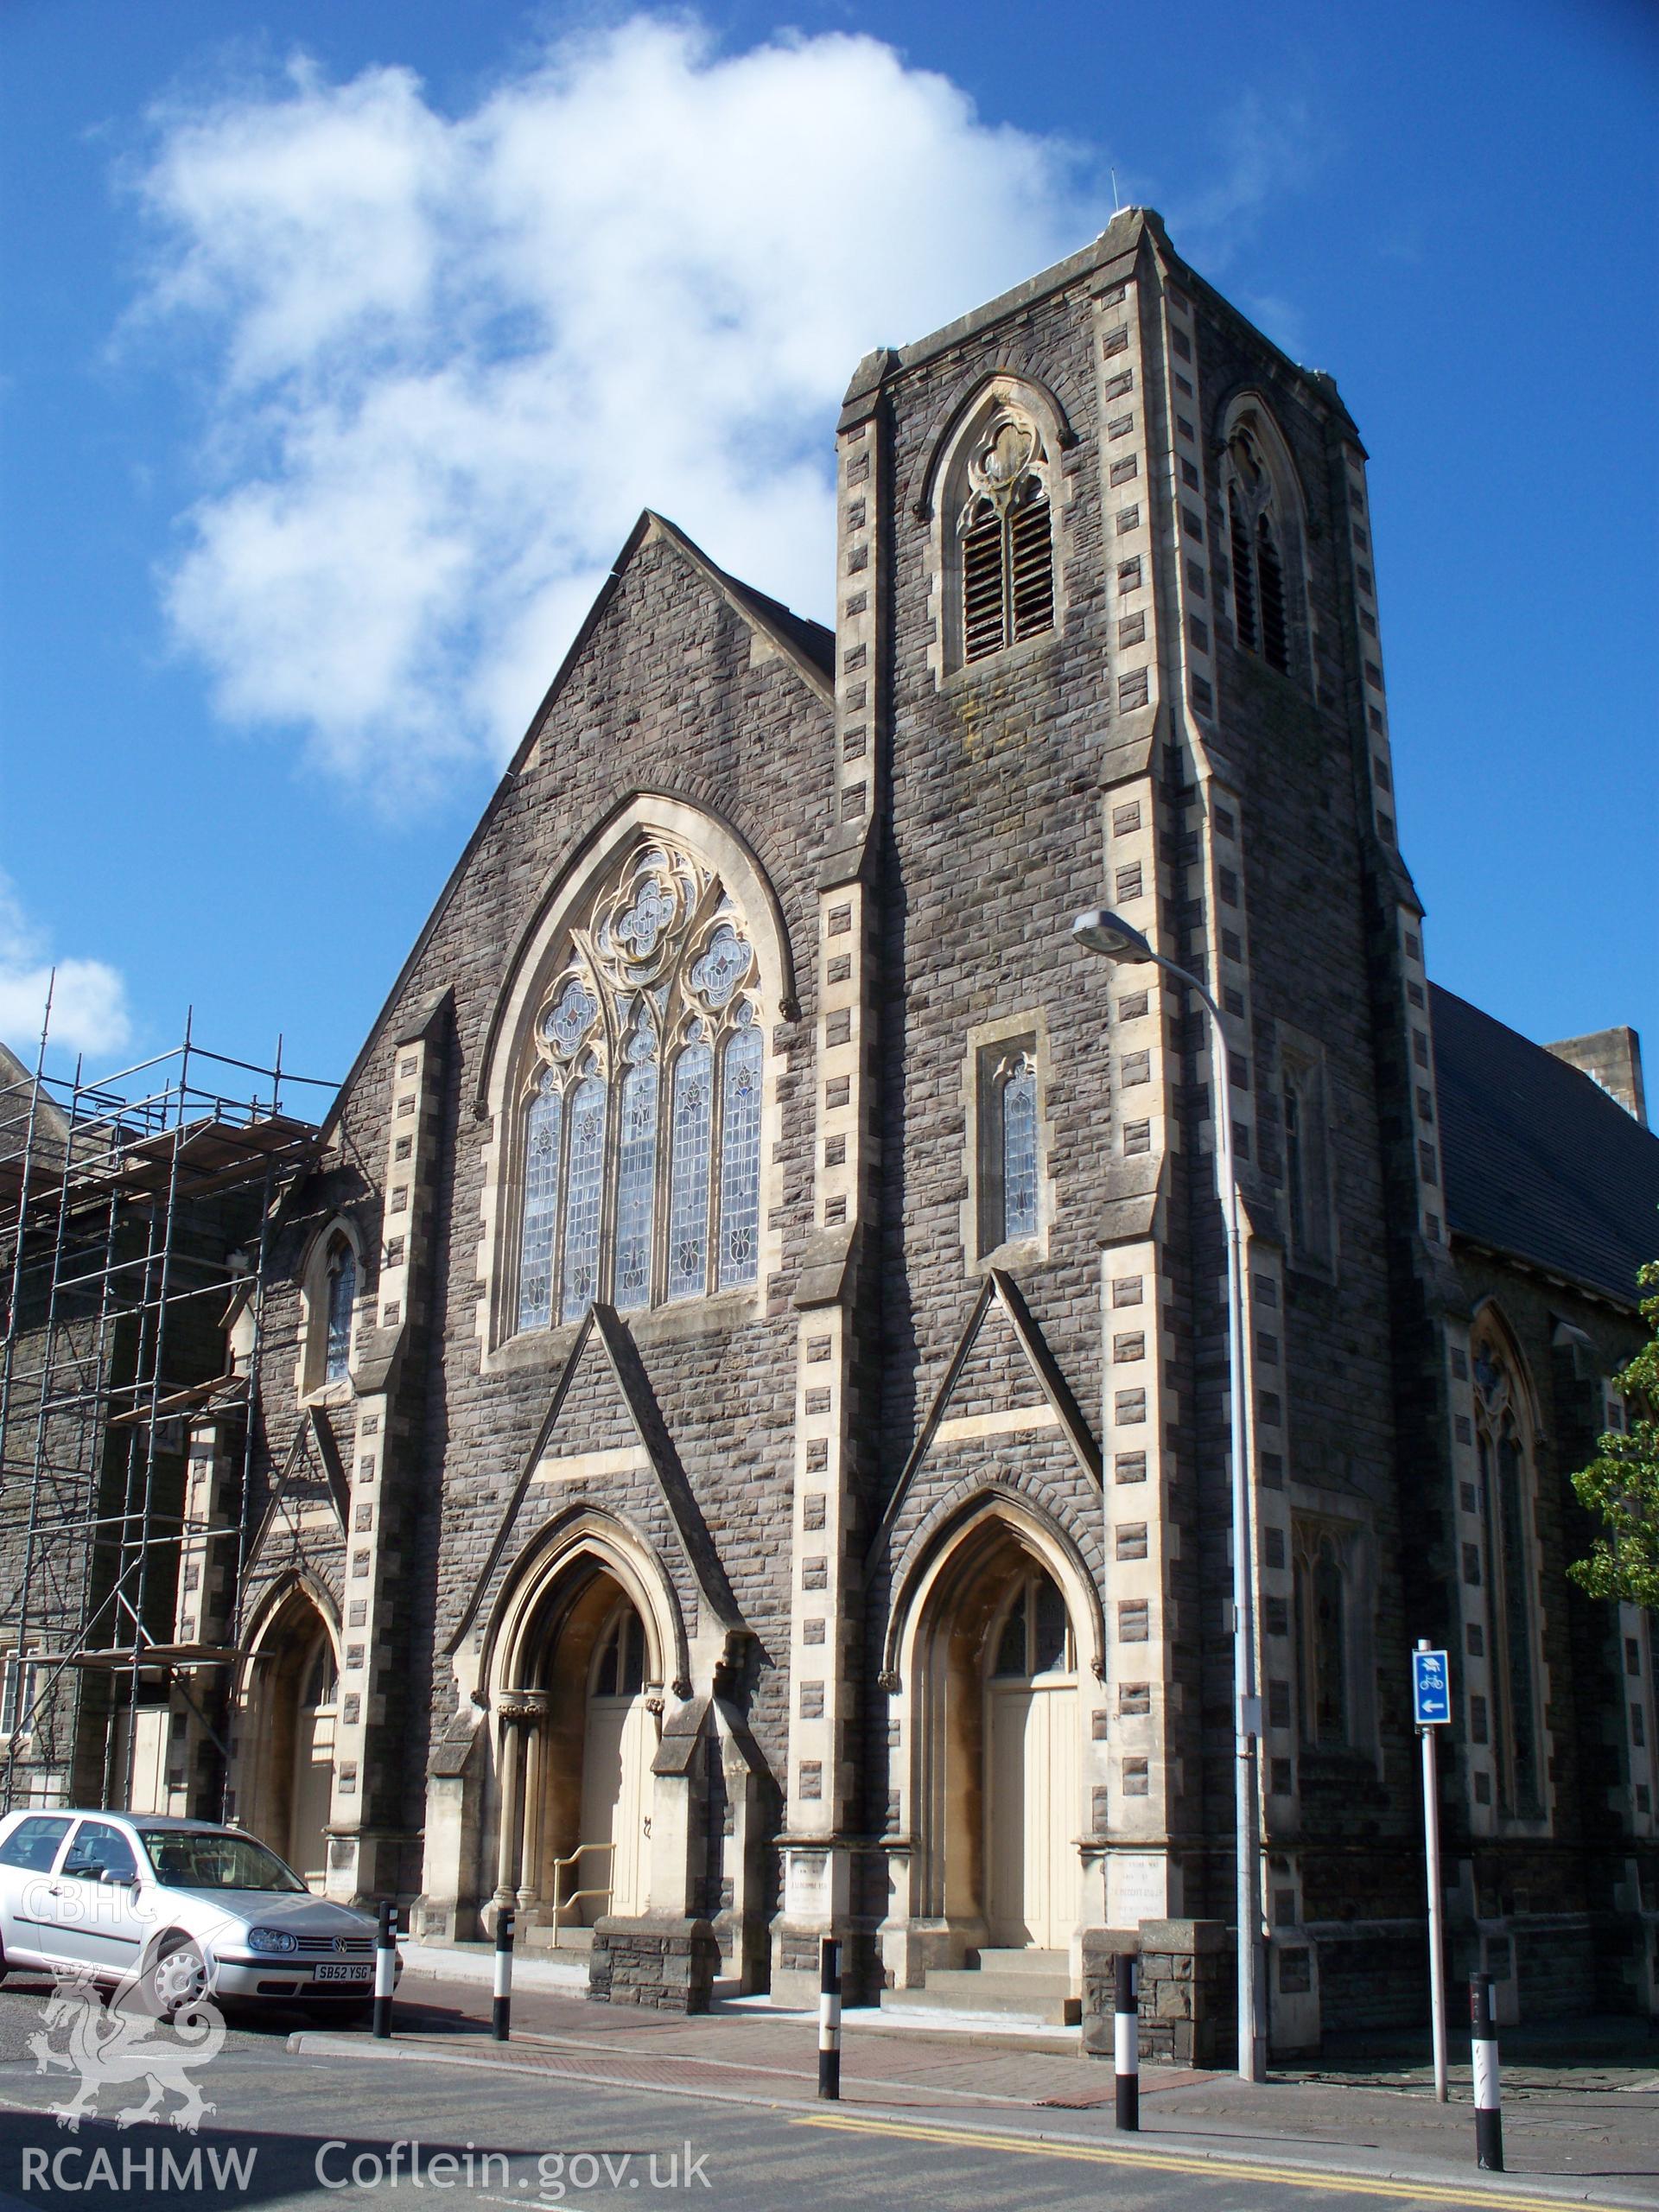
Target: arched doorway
1032	1784
285	1760
997	1778
578	1738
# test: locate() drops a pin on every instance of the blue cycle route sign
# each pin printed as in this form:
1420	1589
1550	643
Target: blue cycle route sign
1430	1688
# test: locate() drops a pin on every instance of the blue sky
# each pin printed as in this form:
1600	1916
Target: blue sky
343	342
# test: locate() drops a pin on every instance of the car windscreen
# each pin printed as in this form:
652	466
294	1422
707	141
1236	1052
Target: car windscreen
184	1860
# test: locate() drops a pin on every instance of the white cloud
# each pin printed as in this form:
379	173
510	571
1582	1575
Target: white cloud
1267	148
89	997
452	356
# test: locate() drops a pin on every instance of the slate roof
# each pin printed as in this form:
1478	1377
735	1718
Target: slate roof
812	638
1539	1161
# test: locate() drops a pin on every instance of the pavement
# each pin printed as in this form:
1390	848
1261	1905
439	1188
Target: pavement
1581	2102
589	2102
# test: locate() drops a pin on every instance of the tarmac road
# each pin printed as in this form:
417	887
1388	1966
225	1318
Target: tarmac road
322	2126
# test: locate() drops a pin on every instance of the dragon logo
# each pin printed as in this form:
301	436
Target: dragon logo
110	2045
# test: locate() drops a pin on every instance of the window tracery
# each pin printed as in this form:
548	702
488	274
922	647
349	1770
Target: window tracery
1005	537
653	1007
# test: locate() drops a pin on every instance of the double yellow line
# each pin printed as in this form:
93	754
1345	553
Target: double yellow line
1172	2161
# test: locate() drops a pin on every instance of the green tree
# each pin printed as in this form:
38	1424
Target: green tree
1621	1484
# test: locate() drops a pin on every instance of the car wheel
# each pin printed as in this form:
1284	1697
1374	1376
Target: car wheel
178	1974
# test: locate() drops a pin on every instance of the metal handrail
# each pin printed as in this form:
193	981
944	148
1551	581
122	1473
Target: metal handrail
561	1904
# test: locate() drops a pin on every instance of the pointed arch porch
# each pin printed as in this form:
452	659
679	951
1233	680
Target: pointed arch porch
997	1779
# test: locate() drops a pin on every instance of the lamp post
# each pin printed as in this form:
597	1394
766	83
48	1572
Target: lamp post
1113	939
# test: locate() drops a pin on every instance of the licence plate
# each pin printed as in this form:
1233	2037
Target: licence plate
342	1973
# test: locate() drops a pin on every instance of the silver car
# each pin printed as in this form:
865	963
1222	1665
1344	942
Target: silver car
189	1907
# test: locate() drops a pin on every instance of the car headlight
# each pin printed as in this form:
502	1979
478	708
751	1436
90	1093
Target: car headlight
271	1939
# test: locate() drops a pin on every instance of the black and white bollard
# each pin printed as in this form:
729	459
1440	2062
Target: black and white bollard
1489	2117
829	2017
501	2009
1126	2046
385	1967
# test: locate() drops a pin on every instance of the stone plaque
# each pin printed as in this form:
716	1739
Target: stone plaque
1137	1888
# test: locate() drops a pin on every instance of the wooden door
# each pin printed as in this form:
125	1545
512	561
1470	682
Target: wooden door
1033	1775
616	1774
311	1799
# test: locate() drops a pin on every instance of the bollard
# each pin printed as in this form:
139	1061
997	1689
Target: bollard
501	2011
829	2017
385	1967
1489	2118
1126	2045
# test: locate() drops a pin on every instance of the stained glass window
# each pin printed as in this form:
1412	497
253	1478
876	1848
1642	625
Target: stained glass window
1020	1150
740	1159
723	967
543	1118
342	1305
648	1040
687	1203
636	1171
583	1198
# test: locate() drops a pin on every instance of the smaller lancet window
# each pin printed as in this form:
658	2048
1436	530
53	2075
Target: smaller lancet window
1307	1179
1256	531
1009	1164
1005	538
341	1278
1503	1454
1322	1630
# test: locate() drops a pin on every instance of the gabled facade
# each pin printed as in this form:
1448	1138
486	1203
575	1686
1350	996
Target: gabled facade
768	1475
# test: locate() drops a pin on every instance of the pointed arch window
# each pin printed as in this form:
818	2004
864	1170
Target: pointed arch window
1004	538
688	1214
639	1132
584	1190
1503	1446
1255	530
1008	1138
740	1184
636	1171
341	1308
1320	1583
543	1125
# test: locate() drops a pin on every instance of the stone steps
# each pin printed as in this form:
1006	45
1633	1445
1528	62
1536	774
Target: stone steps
1032	1987
571	1941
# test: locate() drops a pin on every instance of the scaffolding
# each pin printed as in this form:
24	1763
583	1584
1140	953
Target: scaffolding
134	1216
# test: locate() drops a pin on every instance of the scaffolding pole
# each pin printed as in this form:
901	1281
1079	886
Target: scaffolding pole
128	1205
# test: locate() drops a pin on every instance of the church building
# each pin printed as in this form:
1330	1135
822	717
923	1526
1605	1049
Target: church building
741	1393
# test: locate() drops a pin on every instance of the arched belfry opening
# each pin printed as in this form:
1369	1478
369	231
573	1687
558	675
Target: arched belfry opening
999	1788
576	1734
289	1708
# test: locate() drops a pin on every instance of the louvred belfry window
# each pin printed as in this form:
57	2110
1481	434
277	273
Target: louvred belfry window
1006	540
640	1103
1254	542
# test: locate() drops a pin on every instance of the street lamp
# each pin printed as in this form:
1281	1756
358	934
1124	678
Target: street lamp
1116	940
